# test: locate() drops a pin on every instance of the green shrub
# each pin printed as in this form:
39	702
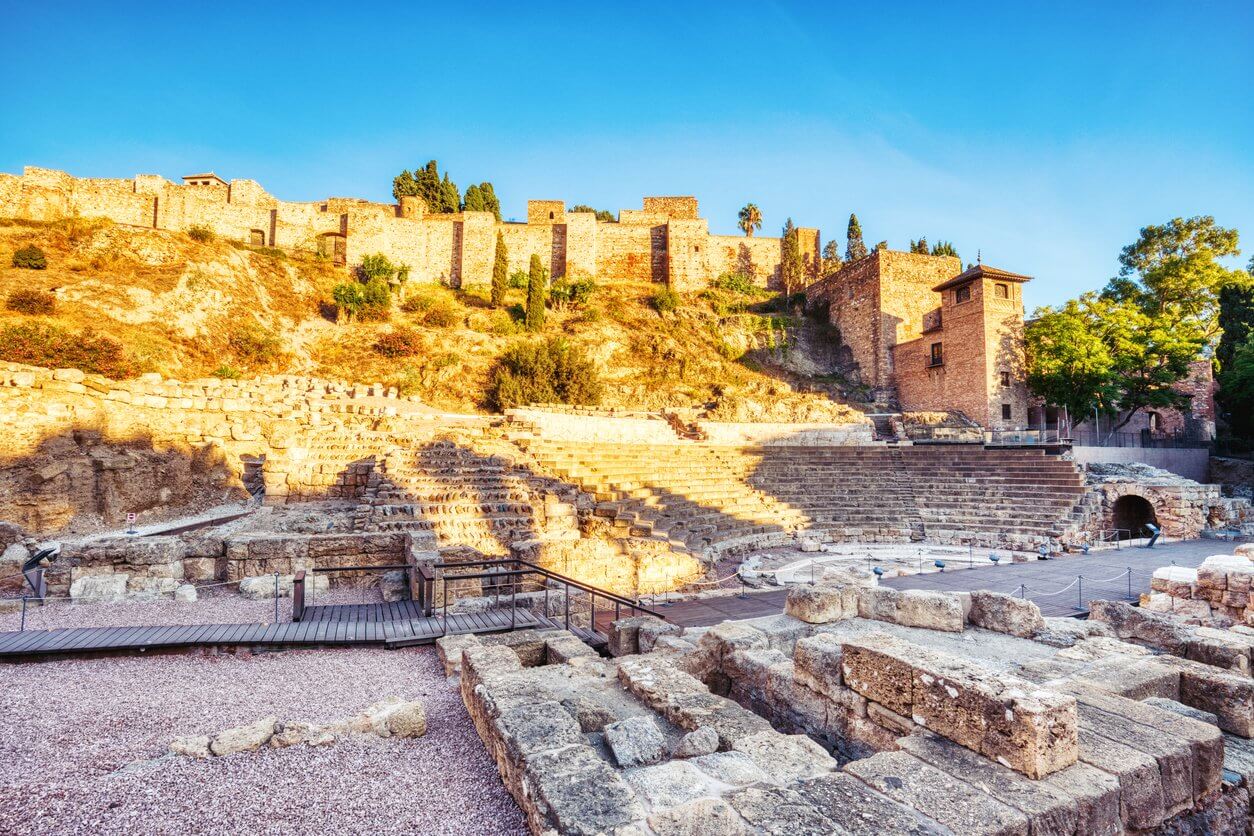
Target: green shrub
400	342
518	279
376	301
38	344
549	371
442	313
735	283
378	266
577	293
30	257
203	234
31	302
664	300
252	346
226	372
349	298
506	323
537	294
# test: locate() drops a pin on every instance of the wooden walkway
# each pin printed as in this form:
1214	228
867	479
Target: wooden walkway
322	627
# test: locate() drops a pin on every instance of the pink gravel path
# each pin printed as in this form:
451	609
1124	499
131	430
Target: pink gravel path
83	748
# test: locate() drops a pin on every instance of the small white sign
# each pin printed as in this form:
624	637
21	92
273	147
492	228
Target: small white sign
130	518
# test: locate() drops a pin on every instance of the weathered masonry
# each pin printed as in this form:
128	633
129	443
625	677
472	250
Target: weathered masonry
665	241
923	334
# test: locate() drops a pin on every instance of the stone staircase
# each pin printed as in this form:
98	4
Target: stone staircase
472	496
705	498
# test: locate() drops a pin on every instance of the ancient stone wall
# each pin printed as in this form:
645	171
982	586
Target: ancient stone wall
879	302
666	242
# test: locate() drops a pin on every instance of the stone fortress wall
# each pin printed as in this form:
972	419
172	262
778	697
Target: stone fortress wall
665	241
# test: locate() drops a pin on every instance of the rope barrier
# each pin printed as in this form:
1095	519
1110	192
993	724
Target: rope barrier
1059	592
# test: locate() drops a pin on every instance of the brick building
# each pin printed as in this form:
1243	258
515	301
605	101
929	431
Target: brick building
924	335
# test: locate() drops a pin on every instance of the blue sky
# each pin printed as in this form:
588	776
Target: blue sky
1043	134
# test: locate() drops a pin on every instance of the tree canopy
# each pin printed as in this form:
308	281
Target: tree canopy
855	248
751	219
1172	271
602	214
944	248
482	198
791	266
831	257
919	247
439	193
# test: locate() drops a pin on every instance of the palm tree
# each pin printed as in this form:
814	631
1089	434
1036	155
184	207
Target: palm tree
750	219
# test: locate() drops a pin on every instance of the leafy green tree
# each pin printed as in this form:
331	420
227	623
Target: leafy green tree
440	195
482	198
750	219
854	246
500	272
29	257
1068	362
1172	271
791	267
602	214
1236	384
378	266
944	248
831	257
919	247
537	294
1112	355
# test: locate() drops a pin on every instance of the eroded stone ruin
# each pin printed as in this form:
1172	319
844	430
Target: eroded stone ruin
868	710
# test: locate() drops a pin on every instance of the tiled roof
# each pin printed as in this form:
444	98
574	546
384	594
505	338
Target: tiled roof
982	271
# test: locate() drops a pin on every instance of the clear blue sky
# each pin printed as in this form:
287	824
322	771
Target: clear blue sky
1044	134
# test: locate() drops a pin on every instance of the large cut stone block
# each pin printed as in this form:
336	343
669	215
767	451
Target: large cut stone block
930	610
957	805
786	757
818	663
822	603
1141	805
1031	730
1133	624
1048	810
1005	614
571	790
852	807
878	668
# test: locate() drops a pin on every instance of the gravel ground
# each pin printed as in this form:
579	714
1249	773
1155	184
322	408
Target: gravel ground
83	747
217	605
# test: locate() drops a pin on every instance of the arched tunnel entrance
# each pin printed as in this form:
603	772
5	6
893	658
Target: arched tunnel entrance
1132	513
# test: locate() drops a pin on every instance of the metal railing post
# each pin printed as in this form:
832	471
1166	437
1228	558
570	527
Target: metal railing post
22	628
1080	592
444	613
1129	583
276	597
567	605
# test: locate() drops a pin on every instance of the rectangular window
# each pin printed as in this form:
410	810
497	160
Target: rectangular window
962	294
1001	291
1005	378
937	358
1005	412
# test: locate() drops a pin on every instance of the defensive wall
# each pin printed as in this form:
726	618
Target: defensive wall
665	241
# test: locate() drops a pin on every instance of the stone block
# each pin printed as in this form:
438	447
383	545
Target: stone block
624	635
1228	696
1136	679
878	603
562	648
487	665
892	722
817	663
850	806
795	708
953	700
930	610
99	589
702	817
1048	809
1141	804
961	807
821	604
694	744
1030	730
571	790
670	784
734	768
1096	797
449	650
778	810
875	666
539	727
1005	614
636	741
786	757
1131	623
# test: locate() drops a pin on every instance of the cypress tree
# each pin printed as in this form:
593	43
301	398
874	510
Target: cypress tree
537	294
854	247
473	201
450	197
500	272
790	267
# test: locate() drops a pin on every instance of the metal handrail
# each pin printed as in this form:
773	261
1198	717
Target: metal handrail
514	574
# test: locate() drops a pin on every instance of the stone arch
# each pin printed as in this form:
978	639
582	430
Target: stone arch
1132	512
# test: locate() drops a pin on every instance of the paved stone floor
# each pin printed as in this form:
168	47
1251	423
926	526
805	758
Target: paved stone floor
1054	584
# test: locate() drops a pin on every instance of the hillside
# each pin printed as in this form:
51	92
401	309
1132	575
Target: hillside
188	309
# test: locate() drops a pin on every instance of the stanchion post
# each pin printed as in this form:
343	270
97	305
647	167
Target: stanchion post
1080	592
276	597
1129	583
22	628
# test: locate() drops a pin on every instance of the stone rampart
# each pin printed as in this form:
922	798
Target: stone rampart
666	242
